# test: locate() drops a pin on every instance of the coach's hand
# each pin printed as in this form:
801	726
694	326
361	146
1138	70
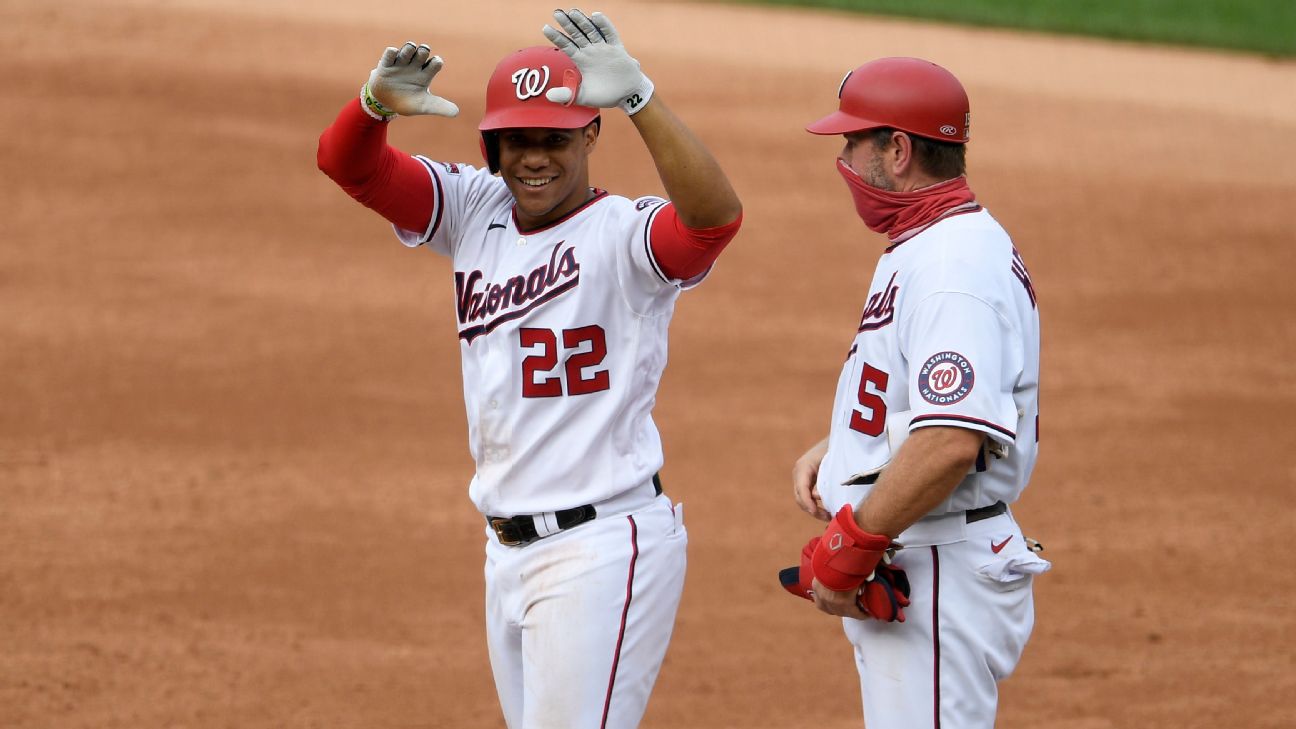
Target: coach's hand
399	84
844	603
609	75
883	596
805	481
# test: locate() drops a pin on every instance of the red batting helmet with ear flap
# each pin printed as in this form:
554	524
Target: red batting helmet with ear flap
515	97
908	94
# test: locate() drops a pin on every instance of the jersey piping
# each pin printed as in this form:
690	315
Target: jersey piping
936	419
438	204
598	195
652	259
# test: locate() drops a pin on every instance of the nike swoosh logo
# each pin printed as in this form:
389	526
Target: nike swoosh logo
493	226
997	548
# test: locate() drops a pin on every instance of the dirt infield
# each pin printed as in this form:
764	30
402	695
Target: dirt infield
232	453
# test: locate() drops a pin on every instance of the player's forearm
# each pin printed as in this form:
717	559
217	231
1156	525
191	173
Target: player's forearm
693	179
354	153
350	149
930	464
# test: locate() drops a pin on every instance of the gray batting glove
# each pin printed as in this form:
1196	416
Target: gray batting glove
399	84
609	76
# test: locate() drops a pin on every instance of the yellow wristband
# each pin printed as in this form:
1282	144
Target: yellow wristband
373	107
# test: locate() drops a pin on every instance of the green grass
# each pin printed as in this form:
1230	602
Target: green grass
1263	26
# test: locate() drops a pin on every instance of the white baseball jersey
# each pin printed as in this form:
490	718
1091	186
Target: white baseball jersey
949	336
562	332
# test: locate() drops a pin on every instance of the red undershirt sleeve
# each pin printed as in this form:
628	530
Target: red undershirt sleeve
683	252
354	153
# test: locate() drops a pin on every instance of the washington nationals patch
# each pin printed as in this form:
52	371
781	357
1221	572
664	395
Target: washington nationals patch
946	378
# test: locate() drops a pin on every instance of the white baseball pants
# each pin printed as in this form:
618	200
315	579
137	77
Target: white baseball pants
971	613
578	623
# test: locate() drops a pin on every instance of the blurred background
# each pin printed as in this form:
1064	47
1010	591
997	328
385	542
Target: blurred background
233	461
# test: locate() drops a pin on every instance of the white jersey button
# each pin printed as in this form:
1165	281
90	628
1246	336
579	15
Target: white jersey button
521	241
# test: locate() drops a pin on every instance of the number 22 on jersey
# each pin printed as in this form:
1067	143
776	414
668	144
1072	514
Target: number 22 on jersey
585	347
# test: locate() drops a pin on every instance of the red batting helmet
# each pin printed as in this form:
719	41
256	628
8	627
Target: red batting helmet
515	97
908	94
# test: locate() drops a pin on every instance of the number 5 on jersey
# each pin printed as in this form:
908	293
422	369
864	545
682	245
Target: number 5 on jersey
871	402
538	376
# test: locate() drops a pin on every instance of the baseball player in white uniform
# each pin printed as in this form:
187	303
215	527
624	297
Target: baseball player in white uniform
563	293
935	423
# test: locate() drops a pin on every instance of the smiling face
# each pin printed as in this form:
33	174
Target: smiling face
547	170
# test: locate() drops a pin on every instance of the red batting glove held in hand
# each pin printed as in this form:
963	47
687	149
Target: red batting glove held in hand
847	555
883	597
798	580
886	595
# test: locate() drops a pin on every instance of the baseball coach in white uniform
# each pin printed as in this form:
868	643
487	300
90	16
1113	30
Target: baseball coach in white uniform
935	424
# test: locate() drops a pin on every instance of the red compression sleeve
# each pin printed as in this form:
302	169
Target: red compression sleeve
354	153
683	252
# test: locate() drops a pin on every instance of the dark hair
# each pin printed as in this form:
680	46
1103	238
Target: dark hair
945	160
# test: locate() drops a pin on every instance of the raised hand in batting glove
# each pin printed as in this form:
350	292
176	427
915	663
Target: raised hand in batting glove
399	84
609	75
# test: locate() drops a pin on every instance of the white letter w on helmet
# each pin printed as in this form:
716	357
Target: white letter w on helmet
530	82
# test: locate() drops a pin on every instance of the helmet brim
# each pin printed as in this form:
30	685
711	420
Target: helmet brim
839	122
546	115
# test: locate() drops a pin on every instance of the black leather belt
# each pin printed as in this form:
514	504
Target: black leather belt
985	512
518	530
521	529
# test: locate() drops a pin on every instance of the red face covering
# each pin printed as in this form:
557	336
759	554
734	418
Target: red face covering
903	214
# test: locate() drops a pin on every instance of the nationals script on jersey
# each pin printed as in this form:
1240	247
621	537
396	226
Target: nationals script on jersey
562	335
949	336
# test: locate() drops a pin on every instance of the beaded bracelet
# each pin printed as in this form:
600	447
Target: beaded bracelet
373	107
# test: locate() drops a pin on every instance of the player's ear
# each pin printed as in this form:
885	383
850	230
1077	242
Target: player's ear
900	153
591	132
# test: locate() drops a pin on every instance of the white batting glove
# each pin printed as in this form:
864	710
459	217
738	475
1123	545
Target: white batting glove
399	84
609	76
